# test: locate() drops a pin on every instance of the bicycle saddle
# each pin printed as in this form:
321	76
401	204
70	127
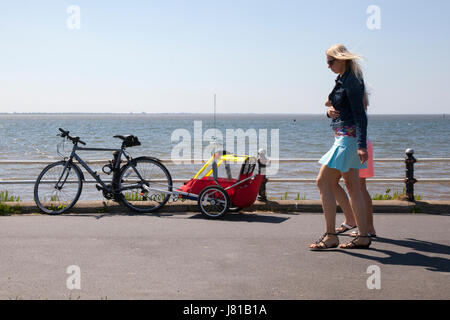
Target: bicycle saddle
129	141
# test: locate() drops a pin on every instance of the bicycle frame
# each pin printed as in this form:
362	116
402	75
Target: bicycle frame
94	174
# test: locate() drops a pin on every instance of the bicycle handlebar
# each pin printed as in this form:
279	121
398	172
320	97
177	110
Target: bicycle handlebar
75	140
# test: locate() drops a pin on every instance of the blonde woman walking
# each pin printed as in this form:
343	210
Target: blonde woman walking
349	151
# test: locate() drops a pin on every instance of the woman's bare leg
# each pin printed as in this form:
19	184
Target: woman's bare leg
325	180
369	206
352	182
344	203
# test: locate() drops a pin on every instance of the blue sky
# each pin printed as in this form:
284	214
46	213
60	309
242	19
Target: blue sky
257	56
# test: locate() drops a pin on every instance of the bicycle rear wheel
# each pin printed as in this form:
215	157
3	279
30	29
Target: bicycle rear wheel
58	187
145	185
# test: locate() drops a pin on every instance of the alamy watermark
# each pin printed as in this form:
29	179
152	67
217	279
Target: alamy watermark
74	280
235	141
73	21
374	20
374	280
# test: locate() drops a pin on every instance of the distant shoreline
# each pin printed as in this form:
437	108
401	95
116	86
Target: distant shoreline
285	117
210	113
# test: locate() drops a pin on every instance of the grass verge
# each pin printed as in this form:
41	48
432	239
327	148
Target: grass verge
394	196
6	209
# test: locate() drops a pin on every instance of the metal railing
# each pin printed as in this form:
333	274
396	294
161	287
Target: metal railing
409	180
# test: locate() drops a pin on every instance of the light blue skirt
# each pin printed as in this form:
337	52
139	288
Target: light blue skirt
343	155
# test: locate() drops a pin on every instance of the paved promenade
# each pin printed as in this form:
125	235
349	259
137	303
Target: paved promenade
244	256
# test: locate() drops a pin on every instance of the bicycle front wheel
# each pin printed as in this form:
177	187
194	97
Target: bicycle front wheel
58	187
145	185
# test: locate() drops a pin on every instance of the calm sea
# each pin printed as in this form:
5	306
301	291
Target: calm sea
33	137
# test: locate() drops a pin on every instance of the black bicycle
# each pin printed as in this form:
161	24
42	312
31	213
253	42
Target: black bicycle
59	185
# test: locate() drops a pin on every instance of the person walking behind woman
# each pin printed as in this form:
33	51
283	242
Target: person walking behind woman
349	151
341	195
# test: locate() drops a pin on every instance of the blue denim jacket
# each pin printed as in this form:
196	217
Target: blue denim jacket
347	98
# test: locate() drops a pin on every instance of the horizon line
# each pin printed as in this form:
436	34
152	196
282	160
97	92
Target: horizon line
203	113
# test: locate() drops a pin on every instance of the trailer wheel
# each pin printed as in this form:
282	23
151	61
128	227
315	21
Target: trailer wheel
213	201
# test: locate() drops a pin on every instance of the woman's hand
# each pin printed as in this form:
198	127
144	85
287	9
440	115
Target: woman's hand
328	103
332	112
363	155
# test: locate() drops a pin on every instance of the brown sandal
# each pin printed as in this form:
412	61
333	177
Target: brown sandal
321	245
354	245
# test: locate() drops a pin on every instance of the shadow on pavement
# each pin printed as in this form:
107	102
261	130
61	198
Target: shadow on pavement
239	217
106	215
419	245
410	258
243	217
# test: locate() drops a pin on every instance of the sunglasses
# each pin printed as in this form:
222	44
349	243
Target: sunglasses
331	62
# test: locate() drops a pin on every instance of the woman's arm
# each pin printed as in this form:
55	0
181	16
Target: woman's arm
332	113
355	94
328	104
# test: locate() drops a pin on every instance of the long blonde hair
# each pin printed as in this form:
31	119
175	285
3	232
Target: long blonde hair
340	52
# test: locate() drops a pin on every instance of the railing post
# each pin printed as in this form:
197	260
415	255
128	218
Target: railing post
409	181
262	163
